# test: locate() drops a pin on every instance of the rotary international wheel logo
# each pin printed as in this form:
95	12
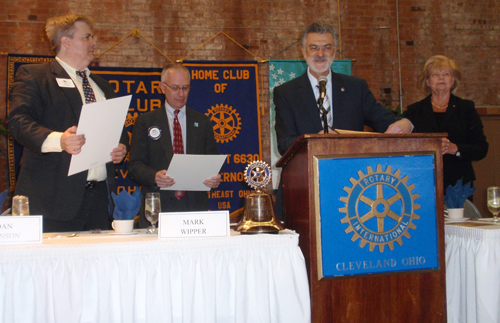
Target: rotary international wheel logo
130	120
226	122
380	208
257	174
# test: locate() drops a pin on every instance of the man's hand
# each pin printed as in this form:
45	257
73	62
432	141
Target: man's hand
118	153
71	142
400	126
163	180
213	182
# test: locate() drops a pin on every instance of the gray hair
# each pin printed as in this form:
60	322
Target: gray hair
319	28
173	66
63	26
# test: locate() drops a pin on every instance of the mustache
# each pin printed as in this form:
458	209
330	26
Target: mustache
319	59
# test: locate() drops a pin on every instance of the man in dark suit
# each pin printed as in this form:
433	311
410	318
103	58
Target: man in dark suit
153	144
46	102
348	99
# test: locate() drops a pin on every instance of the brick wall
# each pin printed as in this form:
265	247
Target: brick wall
467	30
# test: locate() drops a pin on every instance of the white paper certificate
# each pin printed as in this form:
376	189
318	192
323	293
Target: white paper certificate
189	171
102	124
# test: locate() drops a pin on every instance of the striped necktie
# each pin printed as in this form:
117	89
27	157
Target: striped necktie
326	106
87	89
178	146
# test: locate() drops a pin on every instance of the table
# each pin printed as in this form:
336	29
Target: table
139	278
473	272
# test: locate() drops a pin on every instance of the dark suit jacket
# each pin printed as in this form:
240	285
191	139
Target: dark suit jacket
148	156
465	129
353	107
40	106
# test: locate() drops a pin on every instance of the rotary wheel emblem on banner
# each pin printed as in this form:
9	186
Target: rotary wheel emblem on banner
379	208
227	122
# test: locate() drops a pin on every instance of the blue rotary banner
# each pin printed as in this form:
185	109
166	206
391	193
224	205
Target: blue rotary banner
227	92
377	215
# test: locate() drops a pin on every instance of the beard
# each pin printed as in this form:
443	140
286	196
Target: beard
314	61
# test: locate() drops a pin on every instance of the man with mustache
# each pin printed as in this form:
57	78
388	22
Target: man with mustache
46	102
349	102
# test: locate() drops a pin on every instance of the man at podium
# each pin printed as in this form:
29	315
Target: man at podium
347	100
349	103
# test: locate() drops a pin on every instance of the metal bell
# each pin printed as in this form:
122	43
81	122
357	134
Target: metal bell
258	216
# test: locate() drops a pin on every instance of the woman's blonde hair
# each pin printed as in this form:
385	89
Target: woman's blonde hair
439	62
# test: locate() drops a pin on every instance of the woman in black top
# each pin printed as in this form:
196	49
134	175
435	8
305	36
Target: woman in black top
442	111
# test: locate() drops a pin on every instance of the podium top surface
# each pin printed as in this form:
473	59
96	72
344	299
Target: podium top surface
352	135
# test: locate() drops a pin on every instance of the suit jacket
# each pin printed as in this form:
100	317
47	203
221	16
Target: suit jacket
148	156
353	107
40	106
465	129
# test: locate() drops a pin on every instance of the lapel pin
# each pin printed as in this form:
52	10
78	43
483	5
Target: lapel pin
342	89
154	133
196	124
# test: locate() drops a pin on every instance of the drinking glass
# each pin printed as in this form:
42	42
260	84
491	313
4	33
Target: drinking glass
20	205
494	201
152	209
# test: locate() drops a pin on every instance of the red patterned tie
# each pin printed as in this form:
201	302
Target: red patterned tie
87	89
178	146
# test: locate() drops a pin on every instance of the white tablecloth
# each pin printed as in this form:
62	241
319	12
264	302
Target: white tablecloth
138	278
473	274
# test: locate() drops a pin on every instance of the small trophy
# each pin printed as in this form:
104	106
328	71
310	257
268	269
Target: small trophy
258	215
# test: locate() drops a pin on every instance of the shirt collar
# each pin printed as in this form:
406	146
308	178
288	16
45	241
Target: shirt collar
314	81
69	69
171	111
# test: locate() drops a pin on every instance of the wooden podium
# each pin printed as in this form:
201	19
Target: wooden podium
405	296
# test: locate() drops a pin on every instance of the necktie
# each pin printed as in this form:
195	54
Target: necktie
87	89
326	106
178	146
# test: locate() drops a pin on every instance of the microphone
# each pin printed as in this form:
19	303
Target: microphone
322	80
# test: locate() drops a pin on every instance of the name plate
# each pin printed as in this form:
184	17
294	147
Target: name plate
20	229
193	224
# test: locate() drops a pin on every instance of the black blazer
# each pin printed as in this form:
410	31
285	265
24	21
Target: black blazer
353	107
148	156
40	106
465	129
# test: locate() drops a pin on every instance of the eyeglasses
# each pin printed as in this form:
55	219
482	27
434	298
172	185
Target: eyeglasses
325	48
177	88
